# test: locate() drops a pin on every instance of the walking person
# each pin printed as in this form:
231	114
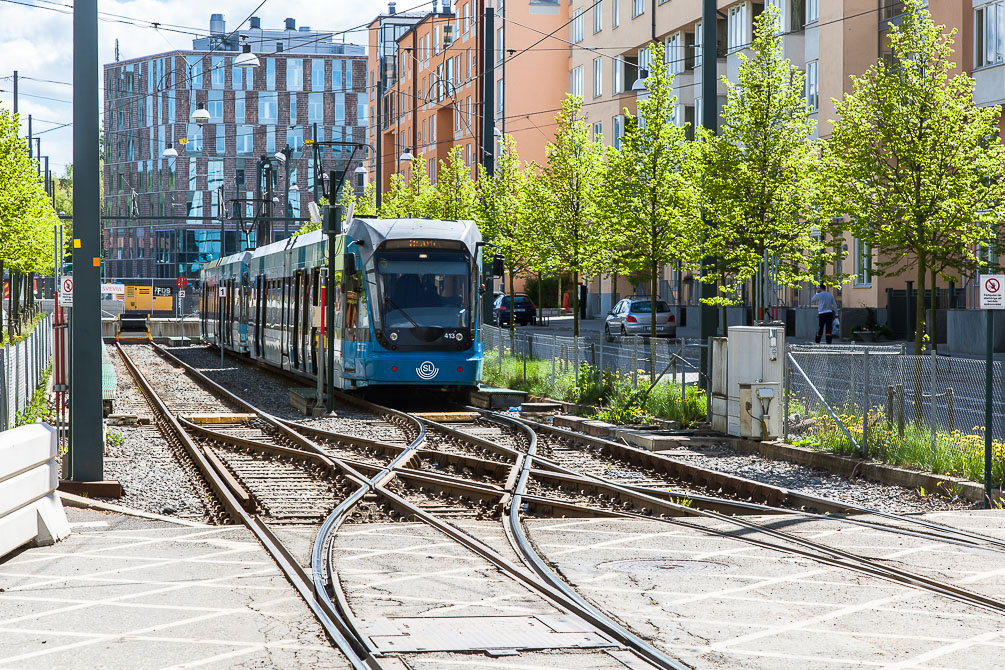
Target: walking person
826	312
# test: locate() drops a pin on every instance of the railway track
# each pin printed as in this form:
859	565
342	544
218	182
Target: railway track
450	477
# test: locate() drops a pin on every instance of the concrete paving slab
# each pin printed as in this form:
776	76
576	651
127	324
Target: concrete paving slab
540	660
410	569
734	605
138	593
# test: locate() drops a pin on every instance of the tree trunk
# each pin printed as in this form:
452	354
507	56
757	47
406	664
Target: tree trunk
15	302
1	300
614	289
29	298
540	296
653	283
919	310
10	304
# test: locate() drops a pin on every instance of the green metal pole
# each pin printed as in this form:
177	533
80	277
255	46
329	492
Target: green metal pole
85	353
988	388
709	119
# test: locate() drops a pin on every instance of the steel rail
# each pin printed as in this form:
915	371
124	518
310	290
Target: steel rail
287	564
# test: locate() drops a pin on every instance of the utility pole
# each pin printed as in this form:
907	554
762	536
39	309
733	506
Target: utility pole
709	120
86	446
380	101
488	90
38	154
29	136
15	94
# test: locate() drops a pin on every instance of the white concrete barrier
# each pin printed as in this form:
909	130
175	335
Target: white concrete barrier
30	509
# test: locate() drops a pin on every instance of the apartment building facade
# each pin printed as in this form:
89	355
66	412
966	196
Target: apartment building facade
428	72
163	171
829	40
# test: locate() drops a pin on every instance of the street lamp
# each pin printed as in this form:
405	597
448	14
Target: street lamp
246	59
169	152
640	83
201	115
406	155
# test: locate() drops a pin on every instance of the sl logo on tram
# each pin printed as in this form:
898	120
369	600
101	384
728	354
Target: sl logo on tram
427	370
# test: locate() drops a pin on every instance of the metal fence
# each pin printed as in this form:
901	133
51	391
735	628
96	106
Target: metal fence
927	411
676	359
21	368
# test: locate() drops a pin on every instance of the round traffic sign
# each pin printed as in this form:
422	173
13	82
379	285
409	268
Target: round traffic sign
992	285
181	282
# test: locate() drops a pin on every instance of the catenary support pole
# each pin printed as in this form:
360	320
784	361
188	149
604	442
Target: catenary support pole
709	119
989	368
85	351
488	90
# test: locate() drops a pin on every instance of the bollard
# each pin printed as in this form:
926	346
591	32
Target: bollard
635	362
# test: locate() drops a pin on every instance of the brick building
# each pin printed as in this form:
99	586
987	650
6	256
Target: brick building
305	86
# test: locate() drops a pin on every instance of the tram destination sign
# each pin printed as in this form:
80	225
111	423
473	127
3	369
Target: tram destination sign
423	244
992	291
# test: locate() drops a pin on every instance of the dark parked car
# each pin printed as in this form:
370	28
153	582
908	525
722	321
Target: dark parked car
633	316
524	314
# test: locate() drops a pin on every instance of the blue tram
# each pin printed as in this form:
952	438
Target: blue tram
405	294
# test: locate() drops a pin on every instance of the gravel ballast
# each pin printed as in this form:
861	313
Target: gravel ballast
140	458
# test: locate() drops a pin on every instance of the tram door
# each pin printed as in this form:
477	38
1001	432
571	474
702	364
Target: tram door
259	312
315	302
243	316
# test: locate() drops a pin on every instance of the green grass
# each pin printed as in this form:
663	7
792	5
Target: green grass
37	409
955	453
612	394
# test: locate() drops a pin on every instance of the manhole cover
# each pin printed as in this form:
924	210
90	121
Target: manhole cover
664	566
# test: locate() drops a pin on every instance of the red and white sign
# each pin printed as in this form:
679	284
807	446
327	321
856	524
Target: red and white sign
66	285
992	291
181	282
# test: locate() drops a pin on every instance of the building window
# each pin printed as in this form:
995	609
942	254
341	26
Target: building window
619	76
576	82
267	108
466	19
339	108
361	112
989	34
737	37
638	7
221	139
644	61
500	49
812	85
615	10
598	16
500	95
812	11
215	106
576	31
294	74
245	140
195	71
598	131
675	54
863	263
619	130
337	84
270	74
219	74
598	77
315	108
239	113
293	108
317	74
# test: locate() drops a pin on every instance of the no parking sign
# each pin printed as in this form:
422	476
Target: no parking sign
992	291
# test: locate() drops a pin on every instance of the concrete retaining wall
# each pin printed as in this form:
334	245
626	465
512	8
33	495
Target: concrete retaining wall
30	510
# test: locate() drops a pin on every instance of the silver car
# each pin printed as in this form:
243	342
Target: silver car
633	316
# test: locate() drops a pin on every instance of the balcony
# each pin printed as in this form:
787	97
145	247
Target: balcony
989	85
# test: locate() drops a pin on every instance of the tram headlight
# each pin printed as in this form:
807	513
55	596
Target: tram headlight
394	337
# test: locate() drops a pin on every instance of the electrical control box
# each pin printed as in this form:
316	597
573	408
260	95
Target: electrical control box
760	410
756	360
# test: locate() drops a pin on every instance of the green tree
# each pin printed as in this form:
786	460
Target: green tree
759	172
503	214
26	219
454	189
916	167
411	197
565	197
650	195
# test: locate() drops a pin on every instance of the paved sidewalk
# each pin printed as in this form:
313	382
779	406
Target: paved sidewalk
124	592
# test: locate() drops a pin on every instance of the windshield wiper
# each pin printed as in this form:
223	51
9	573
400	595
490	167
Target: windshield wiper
388	300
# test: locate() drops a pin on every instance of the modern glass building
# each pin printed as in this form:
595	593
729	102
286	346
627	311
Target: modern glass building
169	173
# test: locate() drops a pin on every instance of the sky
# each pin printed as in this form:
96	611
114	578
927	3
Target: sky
36	39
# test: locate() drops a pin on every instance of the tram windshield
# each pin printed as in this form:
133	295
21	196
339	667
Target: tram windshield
425	297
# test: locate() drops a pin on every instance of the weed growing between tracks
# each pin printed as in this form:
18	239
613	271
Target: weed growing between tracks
613	393
952	452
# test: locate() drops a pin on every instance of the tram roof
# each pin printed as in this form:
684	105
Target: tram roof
376	231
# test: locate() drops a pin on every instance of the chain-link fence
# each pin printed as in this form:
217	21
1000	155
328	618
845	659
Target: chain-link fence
22	367
923	411
676	360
